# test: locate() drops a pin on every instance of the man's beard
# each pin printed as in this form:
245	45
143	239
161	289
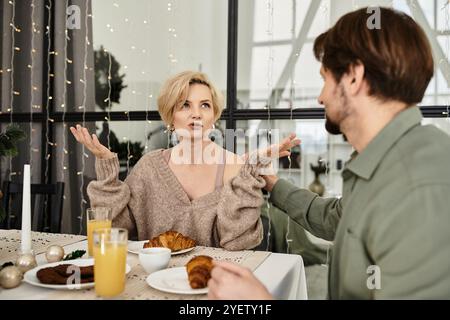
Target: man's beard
332	126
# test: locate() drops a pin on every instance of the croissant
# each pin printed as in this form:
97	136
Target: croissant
199	271
173	240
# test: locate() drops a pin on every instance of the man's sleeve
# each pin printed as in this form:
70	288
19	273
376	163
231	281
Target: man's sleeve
318	215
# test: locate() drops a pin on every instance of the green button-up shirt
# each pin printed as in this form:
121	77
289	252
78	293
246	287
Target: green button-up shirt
391	228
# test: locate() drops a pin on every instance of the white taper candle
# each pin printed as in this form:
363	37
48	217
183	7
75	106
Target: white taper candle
26	211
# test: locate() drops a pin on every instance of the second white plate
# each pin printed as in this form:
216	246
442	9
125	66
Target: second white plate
173	280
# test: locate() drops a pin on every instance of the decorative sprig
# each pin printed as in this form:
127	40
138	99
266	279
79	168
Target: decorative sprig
8	140
74	255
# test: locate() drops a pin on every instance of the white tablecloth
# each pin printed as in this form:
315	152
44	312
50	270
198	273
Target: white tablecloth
282	274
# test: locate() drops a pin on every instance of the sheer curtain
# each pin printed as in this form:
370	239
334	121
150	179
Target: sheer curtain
48	67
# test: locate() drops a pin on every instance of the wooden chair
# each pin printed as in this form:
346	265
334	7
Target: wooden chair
46	206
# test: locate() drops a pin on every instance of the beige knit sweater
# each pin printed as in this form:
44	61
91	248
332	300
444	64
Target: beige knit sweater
151	201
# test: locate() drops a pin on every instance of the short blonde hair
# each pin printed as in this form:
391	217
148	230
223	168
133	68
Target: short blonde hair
175	91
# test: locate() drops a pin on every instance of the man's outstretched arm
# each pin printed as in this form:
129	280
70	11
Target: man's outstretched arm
318	215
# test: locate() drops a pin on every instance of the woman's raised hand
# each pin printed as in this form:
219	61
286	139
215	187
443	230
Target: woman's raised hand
283	149
82	135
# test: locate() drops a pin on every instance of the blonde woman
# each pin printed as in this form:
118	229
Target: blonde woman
196	188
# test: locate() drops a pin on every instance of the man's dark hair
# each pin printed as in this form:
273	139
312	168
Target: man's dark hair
397	56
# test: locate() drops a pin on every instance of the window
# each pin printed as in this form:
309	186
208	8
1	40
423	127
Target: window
151	40
257	52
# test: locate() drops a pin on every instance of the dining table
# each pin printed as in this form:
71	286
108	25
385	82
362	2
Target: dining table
282	274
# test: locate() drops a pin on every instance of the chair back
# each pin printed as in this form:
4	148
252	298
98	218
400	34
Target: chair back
46	204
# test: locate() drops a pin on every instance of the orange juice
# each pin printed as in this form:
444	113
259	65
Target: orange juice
91	226
109	268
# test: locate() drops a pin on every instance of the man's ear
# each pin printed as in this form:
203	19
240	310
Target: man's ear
355	78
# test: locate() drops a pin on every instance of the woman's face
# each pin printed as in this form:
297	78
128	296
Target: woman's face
196	116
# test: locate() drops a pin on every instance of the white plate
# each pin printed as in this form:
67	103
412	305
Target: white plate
31	278
136	246
173	280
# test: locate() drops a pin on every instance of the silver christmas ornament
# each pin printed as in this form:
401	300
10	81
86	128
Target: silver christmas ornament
10	277
54	253
26	262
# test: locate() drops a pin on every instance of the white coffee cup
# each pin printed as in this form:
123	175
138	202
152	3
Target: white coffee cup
154	259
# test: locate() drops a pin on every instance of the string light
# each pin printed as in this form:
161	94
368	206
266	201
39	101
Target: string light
291	105
128	130
269	5
147	58
32	87
86	42
109	98
329	152
11	70
66	82
133	88
147	121
327	177
171	35
49	41
292	88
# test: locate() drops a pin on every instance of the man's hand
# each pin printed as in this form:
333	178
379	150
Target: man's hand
271	180
233	282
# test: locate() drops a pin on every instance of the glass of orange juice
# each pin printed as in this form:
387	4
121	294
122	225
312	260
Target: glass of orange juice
110	258
97	218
